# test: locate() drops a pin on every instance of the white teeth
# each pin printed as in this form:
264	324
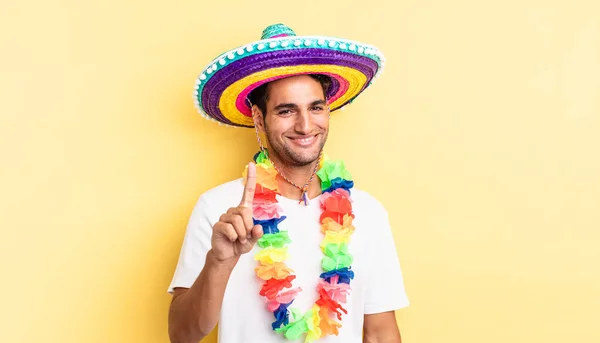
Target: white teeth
304	141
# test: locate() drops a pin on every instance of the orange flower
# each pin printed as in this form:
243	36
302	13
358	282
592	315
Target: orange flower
330	224
266	177
277	271
328	326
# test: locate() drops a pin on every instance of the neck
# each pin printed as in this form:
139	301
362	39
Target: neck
298	175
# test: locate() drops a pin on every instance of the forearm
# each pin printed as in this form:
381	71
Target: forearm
195	313
381	328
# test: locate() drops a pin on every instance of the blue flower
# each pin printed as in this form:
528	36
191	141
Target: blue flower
345	275
269	225
281	316
340	183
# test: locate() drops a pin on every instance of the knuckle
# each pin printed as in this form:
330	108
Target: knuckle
220	227
230	231
239	222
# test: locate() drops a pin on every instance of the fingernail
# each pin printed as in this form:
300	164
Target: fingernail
244	241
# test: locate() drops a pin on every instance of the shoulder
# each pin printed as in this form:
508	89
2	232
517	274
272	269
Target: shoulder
226	190
222	197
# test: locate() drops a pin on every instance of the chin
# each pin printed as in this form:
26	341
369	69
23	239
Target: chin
304	161
303	158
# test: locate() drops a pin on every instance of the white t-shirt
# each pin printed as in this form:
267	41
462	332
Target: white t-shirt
377	285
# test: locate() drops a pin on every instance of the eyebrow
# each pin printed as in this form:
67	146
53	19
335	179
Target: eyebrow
281	106
292	105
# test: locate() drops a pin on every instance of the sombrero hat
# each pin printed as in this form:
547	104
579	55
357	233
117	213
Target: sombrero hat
222	89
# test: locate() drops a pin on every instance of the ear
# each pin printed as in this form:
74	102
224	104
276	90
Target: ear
259	118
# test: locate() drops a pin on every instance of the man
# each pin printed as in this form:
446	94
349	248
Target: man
291	251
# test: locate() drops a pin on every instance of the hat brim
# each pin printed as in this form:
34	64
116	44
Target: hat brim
223	87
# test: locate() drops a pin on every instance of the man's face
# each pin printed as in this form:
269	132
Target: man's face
297	119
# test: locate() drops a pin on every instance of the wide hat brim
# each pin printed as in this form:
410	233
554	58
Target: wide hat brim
222	89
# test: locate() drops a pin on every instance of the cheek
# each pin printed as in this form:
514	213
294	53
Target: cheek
322	121
279	126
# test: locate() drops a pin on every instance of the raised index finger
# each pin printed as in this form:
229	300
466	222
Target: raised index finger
250	186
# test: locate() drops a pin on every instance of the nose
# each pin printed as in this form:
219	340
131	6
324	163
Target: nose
303	122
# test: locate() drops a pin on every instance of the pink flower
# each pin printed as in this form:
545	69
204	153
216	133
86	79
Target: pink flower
263	210
336	291
282	298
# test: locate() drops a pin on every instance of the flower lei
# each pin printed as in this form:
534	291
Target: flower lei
336	225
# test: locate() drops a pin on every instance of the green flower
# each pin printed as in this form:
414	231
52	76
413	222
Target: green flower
263	158
332	170
277	240
297	327
336	257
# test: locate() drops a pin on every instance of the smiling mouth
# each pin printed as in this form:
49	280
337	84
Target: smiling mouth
304	141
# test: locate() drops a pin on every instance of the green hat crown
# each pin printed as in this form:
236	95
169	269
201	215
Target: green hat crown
277	30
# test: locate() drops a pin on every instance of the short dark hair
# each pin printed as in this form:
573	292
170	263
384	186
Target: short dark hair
260	95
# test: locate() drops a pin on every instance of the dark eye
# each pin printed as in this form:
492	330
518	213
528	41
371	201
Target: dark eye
284	112
317	108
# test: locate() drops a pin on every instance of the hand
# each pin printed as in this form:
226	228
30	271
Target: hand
235	233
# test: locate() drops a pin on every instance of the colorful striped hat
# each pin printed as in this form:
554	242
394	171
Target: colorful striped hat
222	89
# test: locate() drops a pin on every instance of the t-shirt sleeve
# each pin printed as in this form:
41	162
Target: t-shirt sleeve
385	290
196	243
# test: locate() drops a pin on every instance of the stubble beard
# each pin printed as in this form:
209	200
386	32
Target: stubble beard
288	156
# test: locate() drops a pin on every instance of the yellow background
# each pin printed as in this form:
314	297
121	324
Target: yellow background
482	139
